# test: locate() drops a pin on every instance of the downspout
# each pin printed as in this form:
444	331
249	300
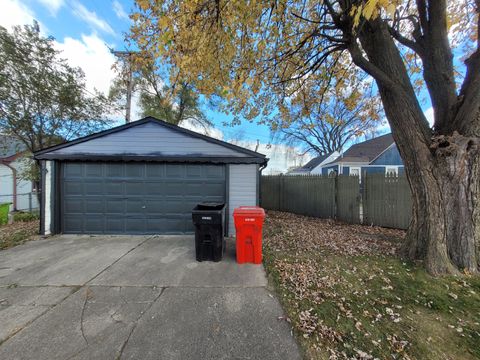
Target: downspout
260	169
14	174
263	166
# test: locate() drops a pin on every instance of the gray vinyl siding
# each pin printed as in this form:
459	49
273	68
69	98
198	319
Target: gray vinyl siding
149	139
243	189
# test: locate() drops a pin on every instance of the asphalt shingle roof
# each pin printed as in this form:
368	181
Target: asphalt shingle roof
368	150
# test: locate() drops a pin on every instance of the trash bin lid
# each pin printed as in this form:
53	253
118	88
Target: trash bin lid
249	211
209	206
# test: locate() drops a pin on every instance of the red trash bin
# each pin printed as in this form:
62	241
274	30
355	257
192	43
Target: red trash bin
248	226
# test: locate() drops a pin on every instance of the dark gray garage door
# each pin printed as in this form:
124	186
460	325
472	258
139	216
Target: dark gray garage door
136	198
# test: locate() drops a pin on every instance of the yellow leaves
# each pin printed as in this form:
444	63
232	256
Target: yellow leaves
164	22
369	9
329	119
143	4
372	9
356	12
261	45
238	58
390	9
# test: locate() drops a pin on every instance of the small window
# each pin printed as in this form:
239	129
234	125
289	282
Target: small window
354	171
391	170
332	172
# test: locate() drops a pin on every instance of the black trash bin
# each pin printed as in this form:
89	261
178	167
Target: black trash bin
208	219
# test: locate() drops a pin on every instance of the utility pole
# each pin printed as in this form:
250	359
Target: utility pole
127	57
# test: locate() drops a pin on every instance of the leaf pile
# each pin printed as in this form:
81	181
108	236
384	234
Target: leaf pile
290	232
17	233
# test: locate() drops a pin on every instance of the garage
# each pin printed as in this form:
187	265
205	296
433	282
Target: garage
143	178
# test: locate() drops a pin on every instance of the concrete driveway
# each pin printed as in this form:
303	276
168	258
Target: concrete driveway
134	297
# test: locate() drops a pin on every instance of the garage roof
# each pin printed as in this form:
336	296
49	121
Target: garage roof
150	139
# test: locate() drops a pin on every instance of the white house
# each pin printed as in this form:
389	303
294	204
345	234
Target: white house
314	166
14	189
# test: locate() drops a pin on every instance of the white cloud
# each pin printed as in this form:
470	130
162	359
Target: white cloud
52	5
91	18
89	52
429	115
92	55
120	11
14	12
282	157
210	131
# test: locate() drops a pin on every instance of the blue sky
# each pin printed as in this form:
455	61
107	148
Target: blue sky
84	31
88	22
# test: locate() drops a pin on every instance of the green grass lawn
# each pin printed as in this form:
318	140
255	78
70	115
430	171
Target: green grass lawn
4	213
347	295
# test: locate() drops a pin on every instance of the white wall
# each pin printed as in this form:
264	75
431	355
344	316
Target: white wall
48	197
24	187
6	184
318	170
242	190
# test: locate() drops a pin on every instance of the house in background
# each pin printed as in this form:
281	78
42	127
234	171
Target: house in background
378	155
314	166
19	192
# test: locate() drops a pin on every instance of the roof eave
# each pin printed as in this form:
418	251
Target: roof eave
154	158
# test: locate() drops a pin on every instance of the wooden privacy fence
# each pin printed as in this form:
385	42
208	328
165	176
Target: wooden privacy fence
387	201
380	200
304	195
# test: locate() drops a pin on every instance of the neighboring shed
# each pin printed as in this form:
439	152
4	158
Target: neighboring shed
143	178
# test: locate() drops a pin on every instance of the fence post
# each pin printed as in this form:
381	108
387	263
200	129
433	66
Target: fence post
30	202
335	201
363	194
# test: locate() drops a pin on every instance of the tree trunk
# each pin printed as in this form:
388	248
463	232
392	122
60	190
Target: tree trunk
445	227
443	170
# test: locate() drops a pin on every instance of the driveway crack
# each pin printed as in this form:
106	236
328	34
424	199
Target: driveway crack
124	345
87	296
120	258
